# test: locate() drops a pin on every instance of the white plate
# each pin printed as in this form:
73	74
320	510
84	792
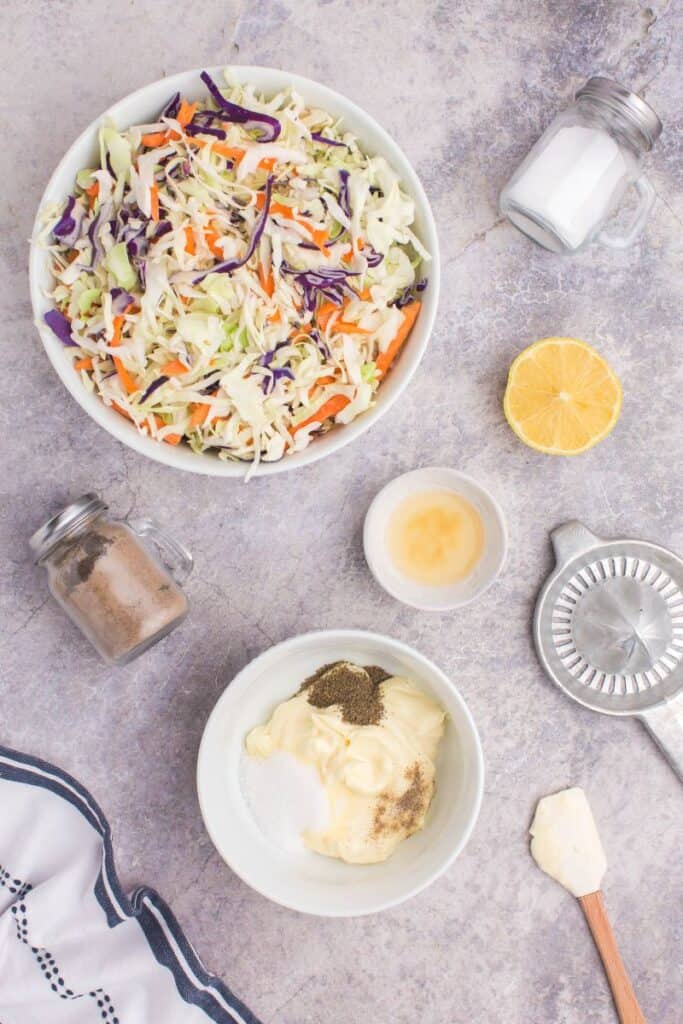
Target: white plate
144	106
415	594
307	881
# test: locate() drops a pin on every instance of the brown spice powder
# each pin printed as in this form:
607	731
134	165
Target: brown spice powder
353	689
405	813
118	595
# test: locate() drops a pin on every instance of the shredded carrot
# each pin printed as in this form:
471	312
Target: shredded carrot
124	375
331	407
268	164
170	438
72	255
189	241
199	413
347	257
318	235
118	327
92	192
266	278
155	139
83	364
325	312
121	410
276	317
320	383
154	202
211	237
346	327
186	113
231	152
174	368
386	358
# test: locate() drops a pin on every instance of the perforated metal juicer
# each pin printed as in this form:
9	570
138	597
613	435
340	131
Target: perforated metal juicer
608	629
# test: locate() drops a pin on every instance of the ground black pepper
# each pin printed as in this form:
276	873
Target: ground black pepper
355	690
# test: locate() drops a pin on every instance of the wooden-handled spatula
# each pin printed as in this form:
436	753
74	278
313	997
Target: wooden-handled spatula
566	845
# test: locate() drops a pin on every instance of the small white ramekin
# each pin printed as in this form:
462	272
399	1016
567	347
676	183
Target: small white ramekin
429	598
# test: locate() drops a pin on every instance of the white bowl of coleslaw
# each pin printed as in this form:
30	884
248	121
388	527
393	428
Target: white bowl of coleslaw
205	380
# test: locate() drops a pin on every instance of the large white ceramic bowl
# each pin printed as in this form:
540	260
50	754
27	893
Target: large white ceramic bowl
307	881
144	105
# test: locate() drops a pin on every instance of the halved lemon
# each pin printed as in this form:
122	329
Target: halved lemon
561	396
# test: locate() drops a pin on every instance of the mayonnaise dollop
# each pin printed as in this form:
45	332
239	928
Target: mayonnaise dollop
379	779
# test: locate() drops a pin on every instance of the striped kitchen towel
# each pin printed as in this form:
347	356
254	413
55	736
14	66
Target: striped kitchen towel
73	946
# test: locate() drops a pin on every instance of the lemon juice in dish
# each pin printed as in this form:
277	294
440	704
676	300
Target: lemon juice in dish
435	537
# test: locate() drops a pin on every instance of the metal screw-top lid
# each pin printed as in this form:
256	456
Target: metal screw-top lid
67	523
639	113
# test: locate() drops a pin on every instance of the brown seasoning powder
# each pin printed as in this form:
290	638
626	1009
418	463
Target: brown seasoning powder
117	594
405	813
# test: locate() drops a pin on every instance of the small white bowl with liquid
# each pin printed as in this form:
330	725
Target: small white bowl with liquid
447	574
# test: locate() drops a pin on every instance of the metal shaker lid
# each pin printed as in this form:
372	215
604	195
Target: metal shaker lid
67	523
639	113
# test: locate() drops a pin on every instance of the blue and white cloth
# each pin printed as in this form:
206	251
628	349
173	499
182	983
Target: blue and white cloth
74	948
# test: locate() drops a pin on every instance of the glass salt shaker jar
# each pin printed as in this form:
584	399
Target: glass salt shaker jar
109	583
575	176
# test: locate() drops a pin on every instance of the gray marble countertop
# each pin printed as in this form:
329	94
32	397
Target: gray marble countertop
464	88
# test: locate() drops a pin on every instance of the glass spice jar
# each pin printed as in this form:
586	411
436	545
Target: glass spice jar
121	597
575	176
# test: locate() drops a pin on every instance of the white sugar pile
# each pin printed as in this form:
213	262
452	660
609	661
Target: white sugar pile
285	796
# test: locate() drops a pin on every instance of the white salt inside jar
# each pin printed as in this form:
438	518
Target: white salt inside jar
573	182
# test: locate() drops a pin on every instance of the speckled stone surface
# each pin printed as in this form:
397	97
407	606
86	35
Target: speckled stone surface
464	88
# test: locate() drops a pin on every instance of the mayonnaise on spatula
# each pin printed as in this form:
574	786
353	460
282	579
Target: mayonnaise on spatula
566	845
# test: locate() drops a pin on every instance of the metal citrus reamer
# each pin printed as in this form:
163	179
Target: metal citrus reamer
608	629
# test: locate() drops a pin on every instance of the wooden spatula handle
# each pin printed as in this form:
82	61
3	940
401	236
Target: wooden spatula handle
622	991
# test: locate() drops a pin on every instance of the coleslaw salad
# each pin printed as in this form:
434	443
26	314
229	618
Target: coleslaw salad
237	274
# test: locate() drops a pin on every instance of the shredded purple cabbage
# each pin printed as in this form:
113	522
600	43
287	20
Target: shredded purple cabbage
330	282
66	225
140	268
320	344
60	326
180	171
120	300
152	387
410	293
317	137
227	266
344	200
97	248
268	127
137	246
267	357
172	107
373	258
279	373
204	129
163	228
